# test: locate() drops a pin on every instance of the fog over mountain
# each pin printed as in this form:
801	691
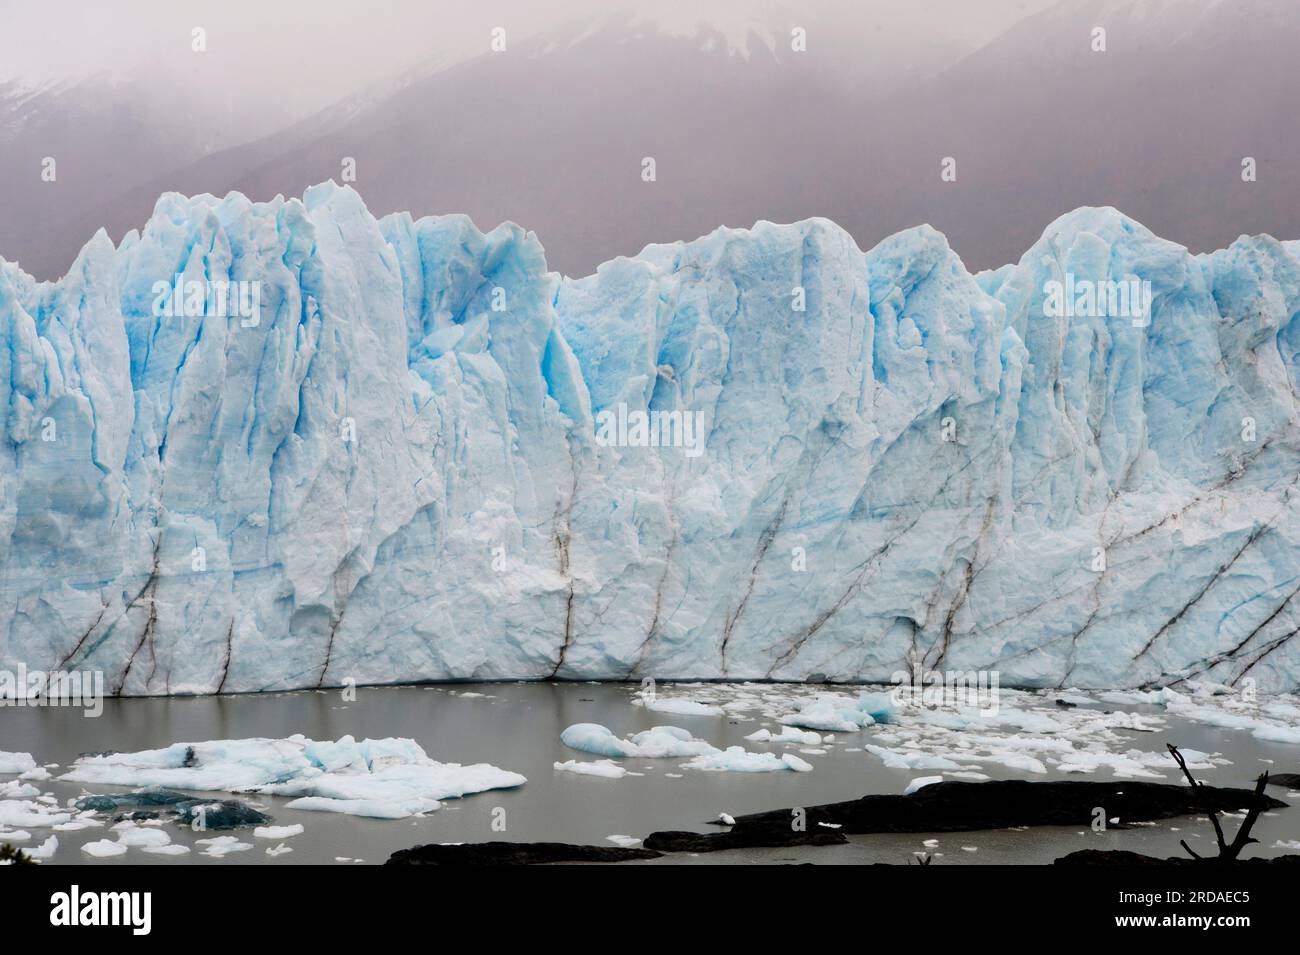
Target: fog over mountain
552	132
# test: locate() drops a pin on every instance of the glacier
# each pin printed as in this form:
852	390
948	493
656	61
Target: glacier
395	474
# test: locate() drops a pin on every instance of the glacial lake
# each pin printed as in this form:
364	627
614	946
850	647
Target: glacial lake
517	726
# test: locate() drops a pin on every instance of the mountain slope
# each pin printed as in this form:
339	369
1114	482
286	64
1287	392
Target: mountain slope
554	131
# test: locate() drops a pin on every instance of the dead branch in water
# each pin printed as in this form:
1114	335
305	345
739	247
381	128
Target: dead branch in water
1228	852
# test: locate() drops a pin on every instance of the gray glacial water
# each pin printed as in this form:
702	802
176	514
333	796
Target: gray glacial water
517	726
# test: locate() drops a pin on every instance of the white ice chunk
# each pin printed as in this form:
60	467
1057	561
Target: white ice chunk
601	767
658	742
735	759
16	762
920	783
221	846
383	778
104	848
277	832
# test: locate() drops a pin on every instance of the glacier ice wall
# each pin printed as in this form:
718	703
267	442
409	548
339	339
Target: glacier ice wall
395	474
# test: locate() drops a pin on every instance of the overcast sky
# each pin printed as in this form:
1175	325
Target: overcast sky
304	54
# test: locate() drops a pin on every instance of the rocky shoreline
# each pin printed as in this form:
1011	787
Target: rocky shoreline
950	806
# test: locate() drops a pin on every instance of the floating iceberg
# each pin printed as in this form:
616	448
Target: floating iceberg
787	734
45	851
384	778
401	467
735	759
140	837
28	814
277	832
17	789
833	713
659	742
104	848
16	763
680	707
605	768
221	846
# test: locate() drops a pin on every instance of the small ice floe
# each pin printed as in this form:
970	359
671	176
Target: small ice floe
14	835
1292	844
920	783
831	825
17	789
1277	734
970	849
277	832
16	762
606	768
104	849
141	838
680	707
83	820
1213	704
624	842
384	778
735	759
28	814
726	819
658	742
930	843
788	734
911	758
170	849
834	713
45	851
221	846
278	850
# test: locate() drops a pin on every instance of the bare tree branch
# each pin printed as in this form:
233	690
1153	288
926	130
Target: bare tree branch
1227	853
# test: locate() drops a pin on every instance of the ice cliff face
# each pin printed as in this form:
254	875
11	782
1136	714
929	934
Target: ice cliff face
404	470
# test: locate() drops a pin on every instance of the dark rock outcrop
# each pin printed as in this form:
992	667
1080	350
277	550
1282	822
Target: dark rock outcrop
1124	857
514	853
953	806
941	807
755	837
